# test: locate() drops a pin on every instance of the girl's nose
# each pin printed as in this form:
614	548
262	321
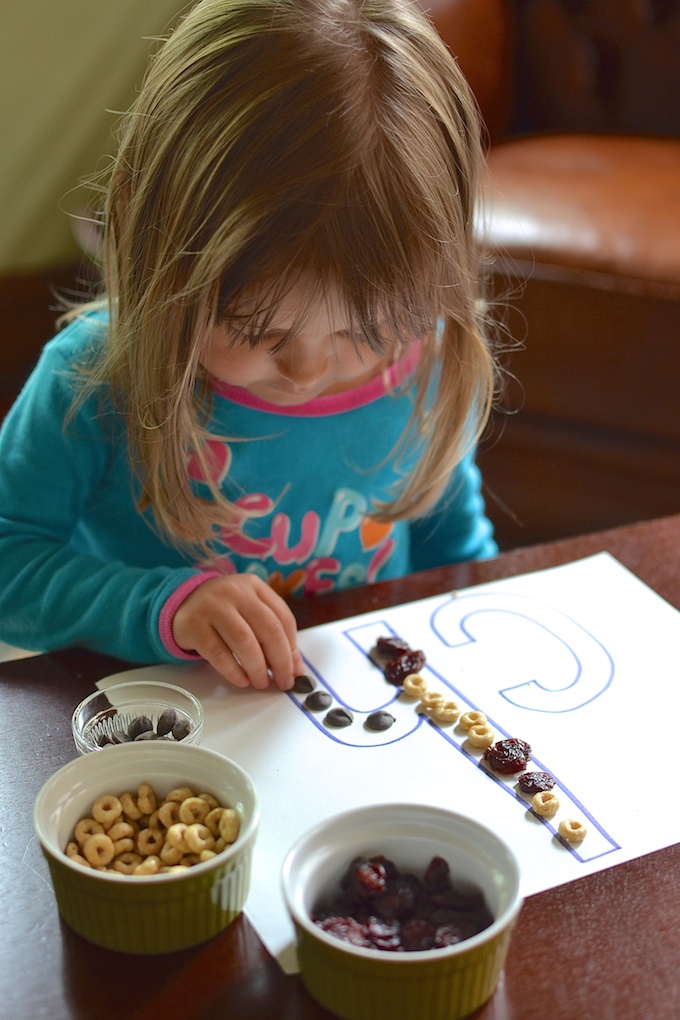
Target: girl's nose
302	364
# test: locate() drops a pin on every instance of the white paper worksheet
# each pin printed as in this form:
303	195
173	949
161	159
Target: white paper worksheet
582	661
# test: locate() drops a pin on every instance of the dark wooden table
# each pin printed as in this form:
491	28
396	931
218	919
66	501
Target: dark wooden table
606	946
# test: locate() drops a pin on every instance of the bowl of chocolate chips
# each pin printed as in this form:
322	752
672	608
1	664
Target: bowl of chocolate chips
137	711
401	910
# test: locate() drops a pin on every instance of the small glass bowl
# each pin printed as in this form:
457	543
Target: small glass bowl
104	714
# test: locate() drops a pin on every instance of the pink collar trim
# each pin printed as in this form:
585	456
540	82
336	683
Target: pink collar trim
336	403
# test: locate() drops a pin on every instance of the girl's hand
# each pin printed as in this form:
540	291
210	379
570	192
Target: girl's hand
243	629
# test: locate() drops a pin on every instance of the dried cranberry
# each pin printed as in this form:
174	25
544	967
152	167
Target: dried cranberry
383	934
391	646
464	923
417	934
437	876
365	879
371	876
460	927
347	929
447	935
457	899
508	756
390	867
399	900
534	782
347	877
398	668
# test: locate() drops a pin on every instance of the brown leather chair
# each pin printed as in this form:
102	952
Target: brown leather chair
581	217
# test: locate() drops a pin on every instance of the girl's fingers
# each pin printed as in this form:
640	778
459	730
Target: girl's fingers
221	658
243	629
275	630
298	663
261	644
285	615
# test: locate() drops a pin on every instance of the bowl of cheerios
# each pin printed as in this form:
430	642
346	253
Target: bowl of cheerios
137	711
149	847
401	910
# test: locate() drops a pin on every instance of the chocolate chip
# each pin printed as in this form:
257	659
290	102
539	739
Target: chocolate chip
119	737
339	717
139	725
166	721
303	684
379	721
181	729
318	700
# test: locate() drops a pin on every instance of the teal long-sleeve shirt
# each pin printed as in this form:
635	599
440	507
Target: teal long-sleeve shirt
80	565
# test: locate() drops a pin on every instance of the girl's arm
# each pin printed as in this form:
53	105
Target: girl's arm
52	593
458	528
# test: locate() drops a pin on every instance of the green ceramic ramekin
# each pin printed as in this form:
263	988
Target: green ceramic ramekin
154	913
369	984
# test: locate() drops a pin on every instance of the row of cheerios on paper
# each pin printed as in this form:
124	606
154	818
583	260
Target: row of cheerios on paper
508	756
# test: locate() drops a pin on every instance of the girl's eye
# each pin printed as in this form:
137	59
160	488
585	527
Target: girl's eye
252	339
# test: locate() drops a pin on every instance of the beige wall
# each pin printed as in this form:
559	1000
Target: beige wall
65	65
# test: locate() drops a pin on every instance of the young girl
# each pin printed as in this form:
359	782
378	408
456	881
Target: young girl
282	391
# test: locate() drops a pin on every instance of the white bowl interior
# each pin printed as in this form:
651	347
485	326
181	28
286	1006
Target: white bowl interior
410	835
70	793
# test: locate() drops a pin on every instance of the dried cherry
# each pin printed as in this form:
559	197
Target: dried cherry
383	934
364	878
437	875
417	934
347	929
534	782
447	935
509	755
390	646
453	932
398	668
401	898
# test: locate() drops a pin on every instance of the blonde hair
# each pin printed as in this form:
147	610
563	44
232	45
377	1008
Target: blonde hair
276	139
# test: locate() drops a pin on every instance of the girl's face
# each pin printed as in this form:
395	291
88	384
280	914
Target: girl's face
318	358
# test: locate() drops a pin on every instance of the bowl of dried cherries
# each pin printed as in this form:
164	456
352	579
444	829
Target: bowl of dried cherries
149	845
401	910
